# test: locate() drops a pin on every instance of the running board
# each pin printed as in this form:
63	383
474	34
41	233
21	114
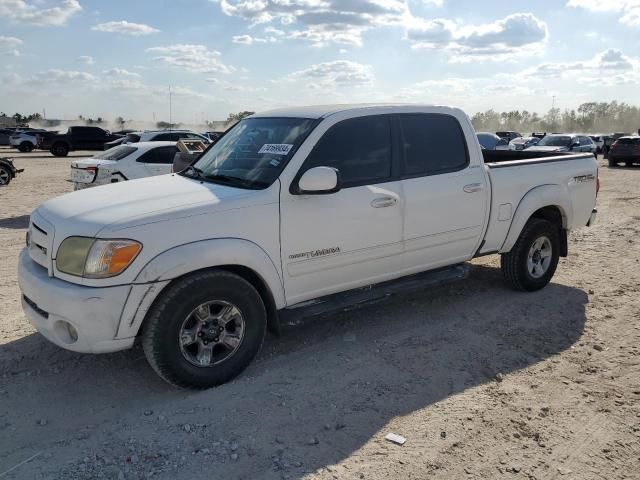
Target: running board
359	297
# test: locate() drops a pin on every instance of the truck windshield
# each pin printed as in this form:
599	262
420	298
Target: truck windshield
253	153
555	141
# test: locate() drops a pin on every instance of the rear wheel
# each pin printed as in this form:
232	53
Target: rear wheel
204	330
25	147
532	261
60	149
5	175
629	164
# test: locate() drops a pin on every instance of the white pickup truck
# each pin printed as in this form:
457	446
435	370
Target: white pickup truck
293	213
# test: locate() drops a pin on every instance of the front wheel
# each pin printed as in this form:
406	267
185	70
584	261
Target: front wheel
204	330
532	261
5	176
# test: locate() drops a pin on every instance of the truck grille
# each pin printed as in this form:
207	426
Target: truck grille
40	241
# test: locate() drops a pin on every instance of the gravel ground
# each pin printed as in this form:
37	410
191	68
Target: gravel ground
483	382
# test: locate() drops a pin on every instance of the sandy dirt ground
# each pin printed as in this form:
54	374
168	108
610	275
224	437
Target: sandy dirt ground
483	382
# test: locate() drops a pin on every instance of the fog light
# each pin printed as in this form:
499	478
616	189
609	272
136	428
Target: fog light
65	332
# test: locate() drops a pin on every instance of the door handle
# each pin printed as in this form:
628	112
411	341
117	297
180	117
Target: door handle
383	202
473	187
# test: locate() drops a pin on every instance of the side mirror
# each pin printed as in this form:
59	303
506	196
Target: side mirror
319	181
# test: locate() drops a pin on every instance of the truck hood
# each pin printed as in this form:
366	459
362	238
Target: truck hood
126	204
547	149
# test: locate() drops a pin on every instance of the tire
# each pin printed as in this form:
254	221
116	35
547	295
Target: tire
168	346
5	176
612	163
515	264
60	149
628	164
25	147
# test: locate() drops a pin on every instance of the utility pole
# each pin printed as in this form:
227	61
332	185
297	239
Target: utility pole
170	109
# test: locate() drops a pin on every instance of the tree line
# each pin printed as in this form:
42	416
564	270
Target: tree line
590	117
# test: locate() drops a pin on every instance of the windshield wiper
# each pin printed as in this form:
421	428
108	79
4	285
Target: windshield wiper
235	181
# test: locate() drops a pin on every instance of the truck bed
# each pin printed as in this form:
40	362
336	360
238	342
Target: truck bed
513	175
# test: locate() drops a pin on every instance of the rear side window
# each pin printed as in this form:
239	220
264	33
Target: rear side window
116	153
432	144
166	154
360	148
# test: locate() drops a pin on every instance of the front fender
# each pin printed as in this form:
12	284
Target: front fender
190	257
535	199
184	259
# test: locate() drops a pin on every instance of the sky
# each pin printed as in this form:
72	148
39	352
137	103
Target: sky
113	58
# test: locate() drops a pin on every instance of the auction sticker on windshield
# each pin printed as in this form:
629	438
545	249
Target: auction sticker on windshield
276	148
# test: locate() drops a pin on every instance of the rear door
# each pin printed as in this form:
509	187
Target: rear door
446	195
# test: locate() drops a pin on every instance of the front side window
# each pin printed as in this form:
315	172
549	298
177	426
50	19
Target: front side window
432	144
359	148
253	153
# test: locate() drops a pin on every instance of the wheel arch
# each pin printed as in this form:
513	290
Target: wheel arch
241	257
547	202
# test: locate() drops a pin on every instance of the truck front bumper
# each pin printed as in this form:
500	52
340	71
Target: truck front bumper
74	317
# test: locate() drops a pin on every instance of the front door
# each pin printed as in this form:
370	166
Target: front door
351	238
446	194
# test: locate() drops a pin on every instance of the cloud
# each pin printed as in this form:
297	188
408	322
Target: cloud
121	72
125	28
38	12
610	67
86	59
56	76
491	41
339	73
630	9
249	40
321	21
9	46
193	58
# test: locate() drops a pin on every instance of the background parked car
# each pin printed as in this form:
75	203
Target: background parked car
625	149
124	162
157	136
213	136
8	171
560	142
523	142
599	141
25	141
5	134
491	141
77	138
509	135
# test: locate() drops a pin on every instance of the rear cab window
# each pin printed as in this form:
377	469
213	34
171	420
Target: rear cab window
431	144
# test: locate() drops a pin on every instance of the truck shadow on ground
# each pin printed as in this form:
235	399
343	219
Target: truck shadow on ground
312	398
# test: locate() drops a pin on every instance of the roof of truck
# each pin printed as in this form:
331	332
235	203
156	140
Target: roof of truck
320	111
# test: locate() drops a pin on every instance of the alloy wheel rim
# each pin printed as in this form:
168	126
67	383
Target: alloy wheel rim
4	177
539	257
212	333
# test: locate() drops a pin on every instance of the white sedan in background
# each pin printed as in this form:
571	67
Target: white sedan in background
124	162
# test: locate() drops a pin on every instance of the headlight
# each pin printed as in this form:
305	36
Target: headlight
96	258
